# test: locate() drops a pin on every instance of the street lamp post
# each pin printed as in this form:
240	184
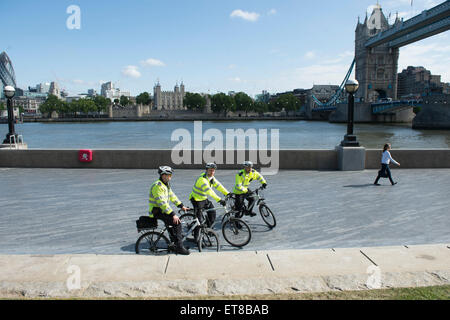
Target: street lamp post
351	86
9	94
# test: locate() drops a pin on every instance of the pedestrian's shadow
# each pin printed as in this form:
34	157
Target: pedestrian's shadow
359	185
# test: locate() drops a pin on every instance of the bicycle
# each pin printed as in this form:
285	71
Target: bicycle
155	242
234	230
264	210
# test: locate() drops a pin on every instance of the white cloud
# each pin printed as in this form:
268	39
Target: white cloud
131	72
249	16
235	79
231	66
271	12
310	55
152	63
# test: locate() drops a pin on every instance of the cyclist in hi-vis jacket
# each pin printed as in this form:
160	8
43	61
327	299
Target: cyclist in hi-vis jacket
159	208
243	179
202	189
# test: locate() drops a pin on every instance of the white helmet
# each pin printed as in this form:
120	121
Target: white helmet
211	165
165	170
248	164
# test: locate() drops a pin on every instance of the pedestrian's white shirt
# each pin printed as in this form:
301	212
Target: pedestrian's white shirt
386	158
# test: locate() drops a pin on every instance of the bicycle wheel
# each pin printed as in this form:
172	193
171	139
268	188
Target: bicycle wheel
236	232
152	243
187	221
208	241
267	215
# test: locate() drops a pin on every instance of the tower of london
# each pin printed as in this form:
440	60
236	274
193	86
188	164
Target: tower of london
169	100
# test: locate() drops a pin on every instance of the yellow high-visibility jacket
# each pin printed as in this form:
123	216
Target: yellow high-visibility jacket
160	195
203	188
243	180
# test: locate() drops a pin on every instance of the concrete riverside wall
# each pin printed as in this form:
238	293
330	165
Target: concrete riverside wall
363	114
151	159
412	158
433	116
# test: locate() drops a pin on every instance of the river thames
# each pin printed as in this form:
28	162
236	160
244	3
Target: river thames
157	134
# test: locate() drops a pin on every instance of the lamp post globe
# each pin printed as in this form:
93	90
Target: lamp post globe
9	94
351	86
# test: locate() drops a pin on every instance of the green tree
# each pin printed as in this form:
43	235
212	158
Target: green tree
124	101
243	102
194	101
144	98
220	102
2	106
52	103
102	103
260	107
287	101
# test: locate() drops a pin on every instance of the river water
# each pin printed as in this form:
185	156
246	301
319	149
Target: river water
157	134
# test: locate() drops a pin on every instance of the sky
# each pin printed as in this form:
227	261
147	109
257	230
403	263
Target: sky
209	45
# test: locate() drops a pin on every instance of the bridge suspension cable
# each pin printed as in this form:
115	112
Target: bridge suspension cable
338	92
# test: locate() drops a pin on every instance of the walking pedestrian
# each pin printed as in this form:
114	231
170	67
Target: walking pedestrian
385	172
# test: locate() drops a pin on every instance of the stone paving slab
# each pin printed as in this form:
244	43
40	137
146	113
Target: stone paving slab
412	258
223	273
236	265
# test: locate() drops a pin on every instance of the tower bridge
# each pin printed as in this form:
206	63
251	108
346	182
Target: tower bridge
376	60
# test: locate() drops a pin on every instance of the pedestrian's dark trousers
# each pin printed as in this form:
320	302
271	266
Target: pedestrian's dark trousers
205	205
175	232
240	201
385	172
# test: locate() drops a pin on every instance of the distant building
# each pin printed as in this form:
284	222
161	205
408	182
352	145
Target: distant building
54	89
109	91
7	74
43	87
29	105
419	81
169	100
263	97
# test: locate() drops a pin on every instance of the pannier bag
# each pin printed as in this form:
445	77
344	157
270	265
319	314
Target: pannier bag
146	222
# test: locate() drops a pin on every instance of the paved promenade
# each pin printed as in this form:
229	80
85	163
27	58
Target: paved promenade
60	225
75	211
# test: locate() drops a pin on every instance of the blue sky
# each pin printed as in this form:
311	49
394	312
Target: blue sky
211	45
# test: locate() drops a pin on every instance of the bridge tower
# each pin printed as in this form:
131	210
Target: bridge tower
376	68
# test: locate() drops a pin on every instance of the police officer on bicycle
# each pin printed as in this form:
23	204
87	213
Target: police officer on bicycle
243	180
159	208
202	189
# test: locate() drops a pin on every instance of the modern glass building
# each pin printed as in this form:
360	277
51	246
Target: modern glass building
7	75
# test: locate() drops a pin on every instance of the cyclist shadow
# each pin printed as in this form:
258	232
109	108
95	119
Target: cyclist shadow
259	227
129	248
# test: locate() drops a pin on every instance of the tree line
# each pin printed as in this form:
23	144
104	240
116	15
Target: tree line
222	103
97	104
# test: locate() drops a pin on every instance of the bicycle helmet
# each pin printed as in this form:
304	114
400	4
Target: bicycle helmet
248	164
211	165
165	170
